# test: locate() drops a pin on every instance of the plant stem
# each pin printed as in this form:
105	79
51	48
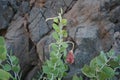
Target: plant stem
11	65
72	44
51	18
105	63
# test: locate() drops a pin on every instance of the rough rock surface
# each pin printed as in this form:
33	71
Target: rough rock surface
18	42
93	25
6	13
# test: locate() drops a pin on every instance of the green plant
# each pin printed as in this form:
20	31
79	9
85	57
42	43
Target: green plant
4	75
75	77
8	63
54	67
3	50
12	64
102	67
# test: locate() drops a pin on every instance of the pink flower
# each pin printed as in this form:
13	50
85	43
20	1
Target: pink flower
70	57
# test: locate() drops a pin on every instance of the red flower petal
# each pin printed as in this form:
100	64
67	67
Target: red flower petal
70	57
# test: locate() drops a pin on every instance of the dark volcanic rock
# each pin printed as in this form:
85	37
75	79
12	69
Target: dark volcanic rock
38	27
115	15
24	7
6	14
17	41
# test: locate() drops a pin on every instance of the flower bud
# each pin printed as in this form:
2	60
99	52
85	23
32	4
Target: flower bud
70	57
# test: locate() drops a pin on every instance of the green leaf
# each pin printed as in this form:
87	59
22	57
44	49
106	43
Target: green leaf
56	27
16	68
53	54
54	59
54	46
103	56
65	53
111	53
101	59
55	35
49	63
64	44
113	64
14	60
106	73
4	75
109	71
75	77
55	72
89	72
65	73
2	41
117	58
56	20
3	50
3	53
64	22
64	33
81	78
93	63
46	69
7	67
62	49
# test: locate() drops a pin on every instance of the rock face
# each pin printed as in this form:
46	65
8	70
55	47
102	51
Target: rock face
93	25
6	13
18	42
